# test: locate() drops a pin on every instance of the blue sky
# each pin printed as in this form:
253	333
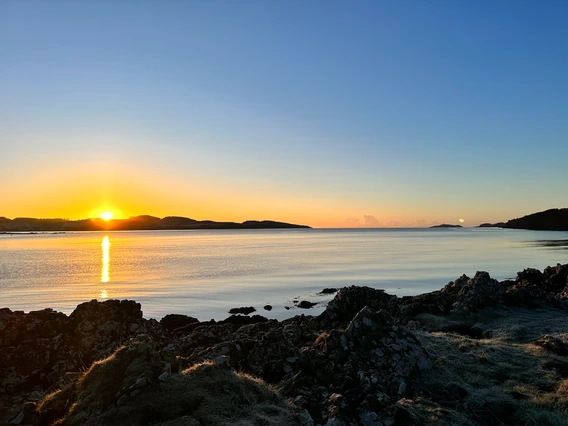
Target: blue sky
408	111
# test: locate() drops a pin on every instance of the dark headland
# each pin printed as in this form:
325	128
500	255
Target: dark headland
547	220
476	352
143	222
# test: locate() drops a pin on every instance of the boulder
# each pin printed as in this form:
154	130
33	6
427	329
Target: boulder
172	321
479	292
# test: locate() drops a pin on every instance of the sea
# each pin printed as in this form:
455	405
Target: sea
204	273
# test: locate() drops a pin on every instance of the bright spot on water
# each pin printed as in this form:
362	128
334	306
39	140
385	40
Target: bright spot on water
105	260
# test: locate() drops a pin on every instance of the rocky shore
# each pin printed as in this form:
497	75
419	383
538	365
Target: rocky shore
476	352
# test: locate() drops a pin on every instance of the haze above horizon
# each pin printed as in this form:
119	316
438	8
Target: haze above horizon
329	114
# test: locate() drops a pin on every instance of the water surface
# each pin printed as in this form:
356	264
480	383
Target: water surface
204	273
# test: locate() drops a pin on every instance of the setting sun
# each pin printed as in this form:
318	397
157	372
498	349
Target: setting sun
106	216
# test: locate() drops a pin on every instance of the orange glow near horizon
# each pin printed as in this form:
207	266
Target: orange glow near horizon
126	190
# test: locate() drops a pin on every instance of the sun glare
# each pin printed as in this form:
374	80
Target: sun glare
106	216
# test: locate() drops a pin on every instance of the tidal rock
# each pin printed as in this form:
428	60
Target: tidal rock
245	310
304	304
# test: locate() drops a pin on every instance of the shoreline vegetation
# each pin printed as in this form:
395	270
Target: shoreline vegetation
476	352
135	223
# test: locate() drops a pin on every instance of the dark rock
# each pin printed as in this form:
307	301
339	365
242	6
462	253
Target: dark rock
460	297
556	278
172	321
243	310
38	349
242	320
304	304
268	307
477	293
329	291
350	300
530	276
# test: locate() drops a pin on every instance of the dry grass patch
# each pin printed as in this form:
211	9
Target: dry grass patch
124	389
504	380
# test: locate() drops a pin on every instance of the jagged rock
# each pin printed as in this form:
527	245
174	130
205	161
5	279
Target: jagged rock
173	321
557	279
350	300
530	276
242	320
477	293
99	327
38	349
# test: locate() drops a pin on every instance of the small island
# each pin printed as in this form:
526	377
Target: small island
446	225
135	223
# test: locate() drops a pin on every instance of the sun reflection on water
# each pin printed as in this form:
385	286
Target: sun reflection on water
105	265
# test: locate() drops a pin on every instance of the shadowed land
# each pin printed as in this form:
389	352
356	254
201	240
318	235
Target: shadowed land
548	220
144	222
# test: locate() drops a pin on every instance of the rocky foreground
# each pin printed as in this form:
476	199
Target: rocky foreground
477	352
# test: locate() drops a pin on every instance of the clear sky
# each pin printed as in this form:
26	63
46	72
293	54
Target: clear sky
326	113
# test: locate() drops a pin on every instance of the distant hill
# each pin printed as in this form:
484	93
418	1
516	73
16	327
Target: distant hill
144	222
446	225
548	220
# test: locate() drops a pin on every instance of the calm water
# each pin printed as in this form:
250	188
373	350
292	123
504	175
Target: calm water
205	273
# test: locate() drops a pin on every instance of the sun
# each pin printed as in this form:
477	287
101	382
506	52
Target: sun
106	216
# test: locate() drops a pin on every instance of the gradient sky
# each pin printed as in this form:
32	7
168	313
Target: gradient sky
327	113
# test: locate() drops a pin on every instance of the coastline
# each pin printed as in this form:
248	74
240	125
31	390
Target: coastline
478	351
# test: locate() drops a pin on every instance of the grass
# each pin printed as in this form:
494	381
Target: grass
501	380
203	394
